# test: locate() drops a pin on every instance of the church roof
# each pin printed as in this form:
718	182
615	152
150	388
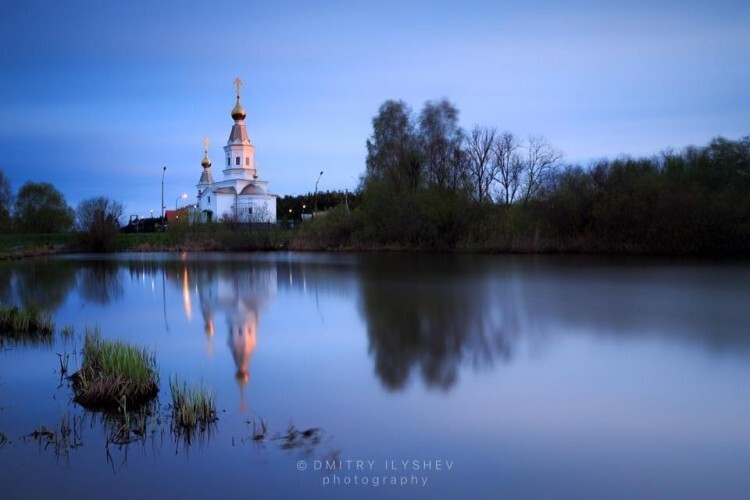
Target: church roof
225	190
206	177
238	133
253	189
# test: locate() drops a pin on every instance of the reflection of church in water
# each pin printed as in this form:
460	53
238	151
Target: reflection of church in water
238	294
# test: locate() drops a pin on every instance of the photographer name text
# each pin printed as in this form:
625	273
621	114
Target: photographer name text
387	465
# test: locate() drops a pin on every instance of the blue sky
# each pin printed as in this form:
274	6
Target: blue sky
97	96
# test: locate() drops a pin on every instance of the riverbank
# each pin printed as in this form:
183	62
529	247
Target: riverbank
315	237
207	238
20	246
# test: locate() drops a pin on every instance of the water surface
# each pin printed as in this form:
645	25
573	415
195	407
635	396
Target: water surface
471	376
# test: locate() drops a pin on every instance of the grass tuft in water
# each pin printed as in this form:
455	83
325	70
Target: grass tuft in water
191	406
114	373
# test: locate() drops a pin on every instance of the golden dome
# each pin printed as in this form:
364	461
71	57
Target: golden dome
238	113
205	161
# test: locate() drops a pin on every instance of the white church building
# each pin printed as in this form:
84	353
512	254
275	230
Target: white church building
240	196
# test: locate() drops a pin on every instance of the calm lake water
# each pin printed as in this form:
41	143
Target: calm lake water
498	377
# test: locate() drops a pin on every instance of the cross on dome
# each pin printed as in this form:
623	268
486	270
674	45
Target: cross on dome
238	113
238	85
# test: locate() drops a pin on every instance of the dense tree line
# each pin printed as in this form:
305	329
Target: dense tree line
429	184
690	202
291	207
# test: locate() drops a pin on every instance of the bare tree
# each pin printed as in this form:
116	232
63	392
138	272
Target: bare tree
98	222
539	162
479	147
509	167
260	213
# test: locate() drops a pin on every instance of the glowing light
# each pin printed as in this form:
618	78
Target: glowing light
186	295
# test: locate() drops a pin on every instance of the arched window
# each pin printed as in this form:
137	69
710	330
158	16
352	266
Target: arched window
247	161
237	160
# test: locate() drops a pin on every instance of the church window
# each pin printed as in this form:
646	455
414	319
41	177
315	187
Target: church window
229	162
237	160
247	161
250	210
209	199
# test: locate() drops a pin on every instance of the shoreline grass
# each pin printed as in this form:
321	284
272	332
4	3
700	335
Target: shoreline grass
114	373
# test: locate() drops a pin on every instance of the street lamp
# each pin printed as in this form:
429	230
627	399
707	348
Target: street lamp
163	206
152	213
182	196
315	203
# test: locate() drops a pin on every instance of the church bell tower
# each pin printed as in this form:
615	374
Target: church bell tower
239	160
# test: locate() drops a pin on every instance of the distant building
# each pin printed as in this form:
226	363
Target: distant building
240	196
176	215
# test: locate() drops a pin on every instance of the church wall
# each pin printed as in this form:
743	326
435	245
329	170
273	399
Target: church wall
208	201
256	208
224	206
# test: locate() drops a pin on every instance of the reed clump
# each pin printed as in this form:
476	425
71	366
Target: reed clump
16	321
192	406
114	373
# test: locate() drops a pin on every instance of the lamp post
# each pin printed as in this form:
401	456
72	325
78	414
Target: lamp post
315	202
182	196
163	206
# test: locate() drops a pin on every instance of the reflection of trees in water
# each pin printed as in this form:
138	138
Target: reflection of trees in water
436	313
6	283
42	283
421	314
47	283
99	282
703	303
